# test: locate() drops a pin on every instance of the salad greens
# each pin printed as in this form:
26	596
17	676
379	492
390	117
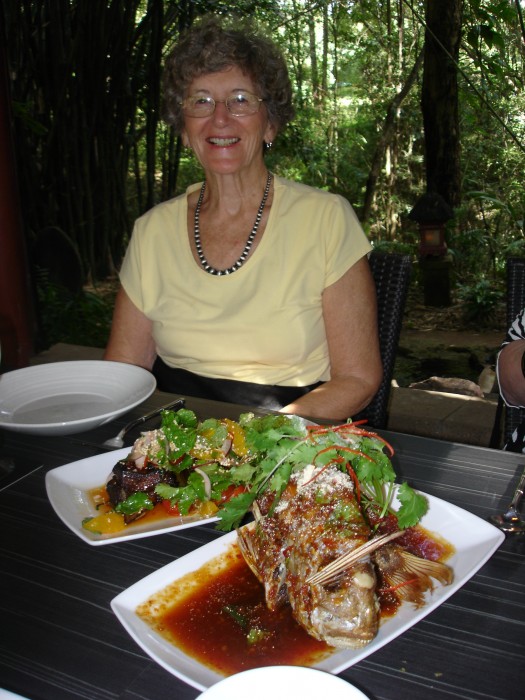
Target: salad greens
137	501
232	463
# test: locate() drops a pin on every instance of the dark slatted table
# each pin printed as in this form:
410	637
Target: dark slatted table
59	639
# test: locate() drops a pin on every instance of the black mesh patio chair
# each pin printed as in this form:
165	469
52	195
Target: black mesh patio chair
391	272
507	419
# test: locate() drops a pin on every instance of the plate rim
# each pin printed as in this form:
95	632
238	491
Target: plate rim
125	603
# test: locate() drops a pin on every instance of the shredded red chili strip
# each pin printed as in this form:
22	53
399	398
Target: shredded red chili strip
343	448
399	585
357	485
321	471
367	433
320	430
352	429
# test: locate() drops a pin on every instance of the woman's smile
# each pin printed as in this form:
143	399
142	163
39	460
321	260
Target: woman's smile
223	142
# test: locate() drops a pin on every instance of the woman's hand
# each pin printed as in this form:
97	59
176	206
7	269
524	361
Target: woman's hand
130	340
350	316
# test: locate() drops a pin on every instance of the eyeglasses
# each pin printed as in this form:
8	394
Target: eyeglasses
239	104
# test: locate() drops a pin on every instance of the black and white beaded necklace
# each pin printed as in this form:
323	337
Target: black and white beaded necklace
242	259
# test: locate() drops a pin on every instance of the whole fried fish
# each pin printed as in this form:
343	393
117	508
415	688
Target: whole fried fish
317	520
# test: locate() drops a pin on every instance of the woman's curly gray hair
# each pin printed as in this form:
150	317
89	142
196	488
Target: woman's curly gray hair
210	46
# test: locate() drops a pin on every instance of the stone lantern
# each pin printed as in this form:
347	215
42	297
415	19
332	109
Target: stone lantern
431	212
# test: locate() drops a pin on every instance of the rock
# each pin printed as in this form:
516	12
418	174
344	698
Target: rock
452	385
487	380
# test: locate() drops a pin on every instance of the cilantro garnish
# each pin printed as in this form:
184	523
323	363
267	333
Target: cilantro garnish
134	504
232	513
413	506
275	446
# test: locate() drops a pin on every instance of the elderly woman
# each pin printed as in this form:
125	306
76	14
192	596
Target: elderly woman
247	288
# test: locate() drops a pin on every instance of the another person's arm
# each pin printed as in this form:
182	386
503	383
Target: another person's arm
511	364
350	316
131	339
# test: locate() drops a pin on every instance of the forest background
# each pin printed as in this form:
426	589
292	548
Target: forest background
93	154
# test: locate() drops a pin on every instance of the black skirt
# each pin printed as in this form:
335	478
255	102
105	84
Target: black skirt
270	397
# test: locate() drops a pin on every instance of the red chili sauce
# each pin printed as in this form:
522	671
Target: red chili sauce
209	614
415	540
214	620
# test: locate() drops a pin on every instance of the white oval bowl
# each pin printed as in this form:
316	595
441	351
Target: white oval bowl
282	683
62	398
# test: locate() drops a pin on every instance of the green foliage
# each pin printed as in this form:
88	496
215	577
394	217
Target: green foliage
93	154
481	301
515	249
486	231
402	247
82	318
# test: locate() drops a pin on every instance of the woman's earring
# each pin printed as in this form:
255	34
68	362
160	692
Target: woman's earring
268	145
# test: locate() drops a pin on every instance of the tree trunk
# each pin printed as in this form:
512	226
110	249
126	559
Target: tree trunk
439	100
386	137
313	60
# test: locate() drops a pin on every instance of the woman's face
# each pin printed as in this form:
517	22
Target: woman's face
222	142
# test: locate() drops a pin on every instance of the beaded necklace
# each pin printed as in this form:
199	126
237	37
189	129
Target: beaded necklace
242	259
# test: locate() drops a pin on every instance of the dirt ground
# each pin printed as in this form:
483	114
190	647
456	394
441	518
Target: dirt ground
439	342
452	318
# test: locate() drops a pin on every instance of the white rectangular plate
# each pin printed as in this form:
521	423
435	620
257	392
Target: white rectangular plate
474	541
68	490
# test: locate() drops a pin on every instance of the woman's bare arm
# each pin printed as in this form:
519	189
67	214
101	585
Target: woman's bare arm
131	339
350	316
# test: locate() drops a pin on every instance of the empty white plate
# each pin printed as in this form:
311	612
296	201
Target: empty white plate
62	398
282	683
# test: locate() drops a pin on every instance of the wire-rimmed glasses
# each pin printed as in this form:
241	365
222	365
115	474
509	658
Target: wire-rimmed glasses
239	104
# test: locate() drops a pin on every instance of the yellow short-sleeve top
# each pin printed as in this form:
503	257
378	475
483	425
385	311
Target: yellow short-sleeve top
264	322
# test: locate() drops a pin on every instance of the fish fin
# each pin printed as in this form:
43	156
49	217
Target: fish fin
270	576
332	571
245	544
411	576
256	511
435	569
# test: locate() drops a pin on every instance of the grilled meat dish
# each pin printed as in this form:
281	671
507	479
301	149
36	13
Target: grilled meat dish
127	479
